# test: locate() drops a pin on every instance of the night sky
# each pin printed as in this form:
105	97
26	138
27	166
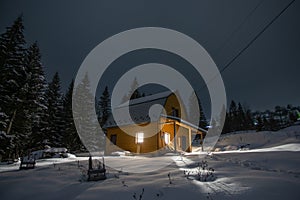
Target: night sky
265	75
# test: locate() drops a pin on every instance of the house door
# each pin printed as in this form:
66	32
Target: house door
183	143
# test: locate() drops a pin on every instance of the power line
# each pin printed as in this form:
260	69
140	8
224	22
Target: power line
239	26
252	41
257	36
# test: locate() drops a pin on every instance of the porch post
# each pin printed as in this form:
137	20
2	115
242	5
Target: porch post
175	139
190	139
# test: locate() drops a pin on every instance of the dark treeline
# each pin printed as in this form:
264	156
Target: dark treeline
239	118
34	113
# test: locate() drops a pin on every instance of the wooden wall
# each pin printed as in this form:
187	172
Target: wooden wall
153	138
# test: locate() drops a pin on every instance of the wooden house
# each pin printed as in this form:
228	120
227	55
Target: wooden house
167	130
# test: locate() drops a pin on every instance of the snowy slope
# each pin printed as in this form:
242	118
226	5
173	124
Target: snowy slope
270	171
254	140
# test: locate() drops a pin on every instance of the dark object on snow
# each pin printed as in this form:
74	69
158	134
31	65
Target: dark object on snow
96	174
169	176
244	146
27	164
90	163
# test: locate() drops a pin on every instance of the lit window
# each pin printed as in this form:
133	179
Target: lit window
167	138
139	138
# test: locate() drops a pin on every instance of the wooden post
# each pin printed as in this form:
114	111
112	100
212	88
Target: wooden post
190	140
138	148
175	138
90	163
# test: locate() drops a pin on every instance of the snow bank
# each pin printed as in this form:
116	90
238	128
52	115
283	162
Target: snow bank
269	170
254	140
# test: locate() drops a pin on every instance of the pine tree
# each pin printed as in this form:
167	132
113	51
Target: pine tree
71	139
36	97
14	86
104	107
241	118
193	112
135	93
292	114
266	124
55	113
203	122
227	124
260	124
249	122
280	113
233	116
274	124
225	120
83	109
5	142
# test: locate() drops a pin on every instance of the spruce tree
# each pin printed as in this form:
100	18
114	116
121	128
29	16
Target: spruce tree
104	107
227	124
55	113
233	116
201	121
36	97
14	86
71	139
249	122
5	142
241	118
225	120
83	113
135	93
259	124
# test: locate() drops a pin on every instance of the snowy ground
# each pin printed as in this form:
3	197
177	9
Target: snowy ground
266	172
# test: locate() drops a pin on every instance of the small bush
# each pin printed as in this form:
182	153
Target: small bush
201	173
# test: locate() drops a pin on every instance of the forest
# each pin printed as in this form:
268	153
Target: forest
35	113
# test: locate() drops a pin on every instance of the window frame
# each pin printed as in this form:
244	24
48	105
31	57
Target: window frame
139	137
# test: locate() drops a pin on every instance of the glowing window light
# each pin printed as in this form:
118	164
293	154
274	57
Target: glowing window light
139	137
167	138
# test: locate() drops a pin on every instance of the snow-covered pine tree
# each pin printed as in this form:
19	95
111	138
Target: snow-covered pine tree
227	125
260	124
281	112
55	121
221	120
192	111
202	122
233	116
36	97
104	108
249	121
5	142
241	118
135	93
71	138
84	108
13	85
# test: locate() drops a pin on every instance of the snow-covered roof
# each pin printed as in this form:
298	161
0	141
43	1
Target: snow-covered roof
139	109
185	122
55	150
